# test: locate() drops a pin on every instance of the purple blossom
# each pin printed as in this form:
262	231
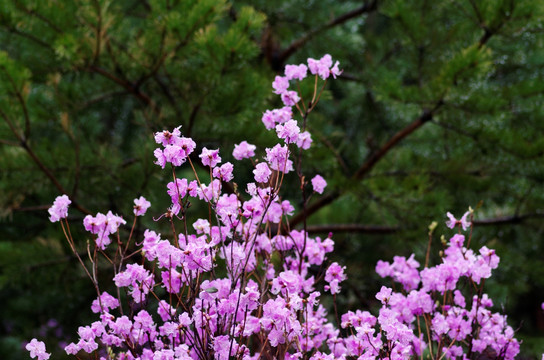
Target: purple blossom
334	276
166	137
243	150
297	72
384	295
464	222
321	67
277	158
103	226
210	157
304	140
59	210
277	116
319	184
290	98
262	173
335	71
105	303
288	131
140	206
37	350
224	172
280	84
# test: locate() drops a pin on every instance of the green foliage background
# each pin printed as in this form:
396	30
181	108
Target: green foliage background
439	107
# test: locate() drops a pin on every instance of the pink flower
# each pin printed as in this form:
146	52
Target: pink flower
105	303
262	173
277	116
210	157
335	71
278	158
288	131
319	184
296	72
166	137
290	98
59	210
243	150
280	85
452	221
224	172
140	206
384	294
37	349
304	140
334	276
321	67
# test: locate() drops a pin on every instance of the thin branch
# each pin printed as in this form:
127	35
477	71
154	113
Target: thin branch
39	16
369	164
352	228
30	37
23	143
130	87
298	43
9	142
505	220
380	229
398	137
22	101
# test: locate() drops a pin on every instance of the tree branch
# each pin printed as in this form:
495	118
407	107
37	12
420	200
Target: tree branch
130	87
298	43
505	220
380	229
398	137
369	164
352	228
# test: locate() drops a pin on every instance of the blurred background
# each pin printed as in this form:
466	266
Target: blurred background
439	107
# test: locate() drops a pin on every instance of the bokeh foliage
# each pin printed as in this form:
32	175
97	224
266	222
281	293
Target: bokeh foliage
439	107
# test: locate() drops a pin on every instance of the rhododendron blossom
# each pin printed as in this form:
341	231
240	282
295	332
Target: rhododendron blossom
59	210
241	283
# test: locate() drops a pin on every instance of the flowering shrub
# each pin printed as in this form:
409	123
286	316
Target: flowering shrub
242	284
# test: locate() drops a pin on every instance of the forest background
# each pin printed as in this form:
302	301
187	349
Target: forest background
439	107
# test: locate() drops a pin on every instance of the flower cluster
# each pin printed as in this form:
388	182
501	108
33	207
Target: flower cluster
103	226
242	284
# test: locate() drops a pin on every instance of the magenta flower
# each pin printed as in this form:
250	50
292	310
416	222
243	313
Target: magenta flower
384	294
262	173
334	276
37	349
59	210
304	140
277	116
335	71
321	67
319	184
452	221
298	72
243	150
105	303
280	84
224	172
288	131
140	206
166	137
210	157
290	98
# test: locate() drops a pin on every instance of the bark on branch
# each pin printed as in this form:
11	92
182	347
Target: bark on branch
379	229
282	57
369	164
